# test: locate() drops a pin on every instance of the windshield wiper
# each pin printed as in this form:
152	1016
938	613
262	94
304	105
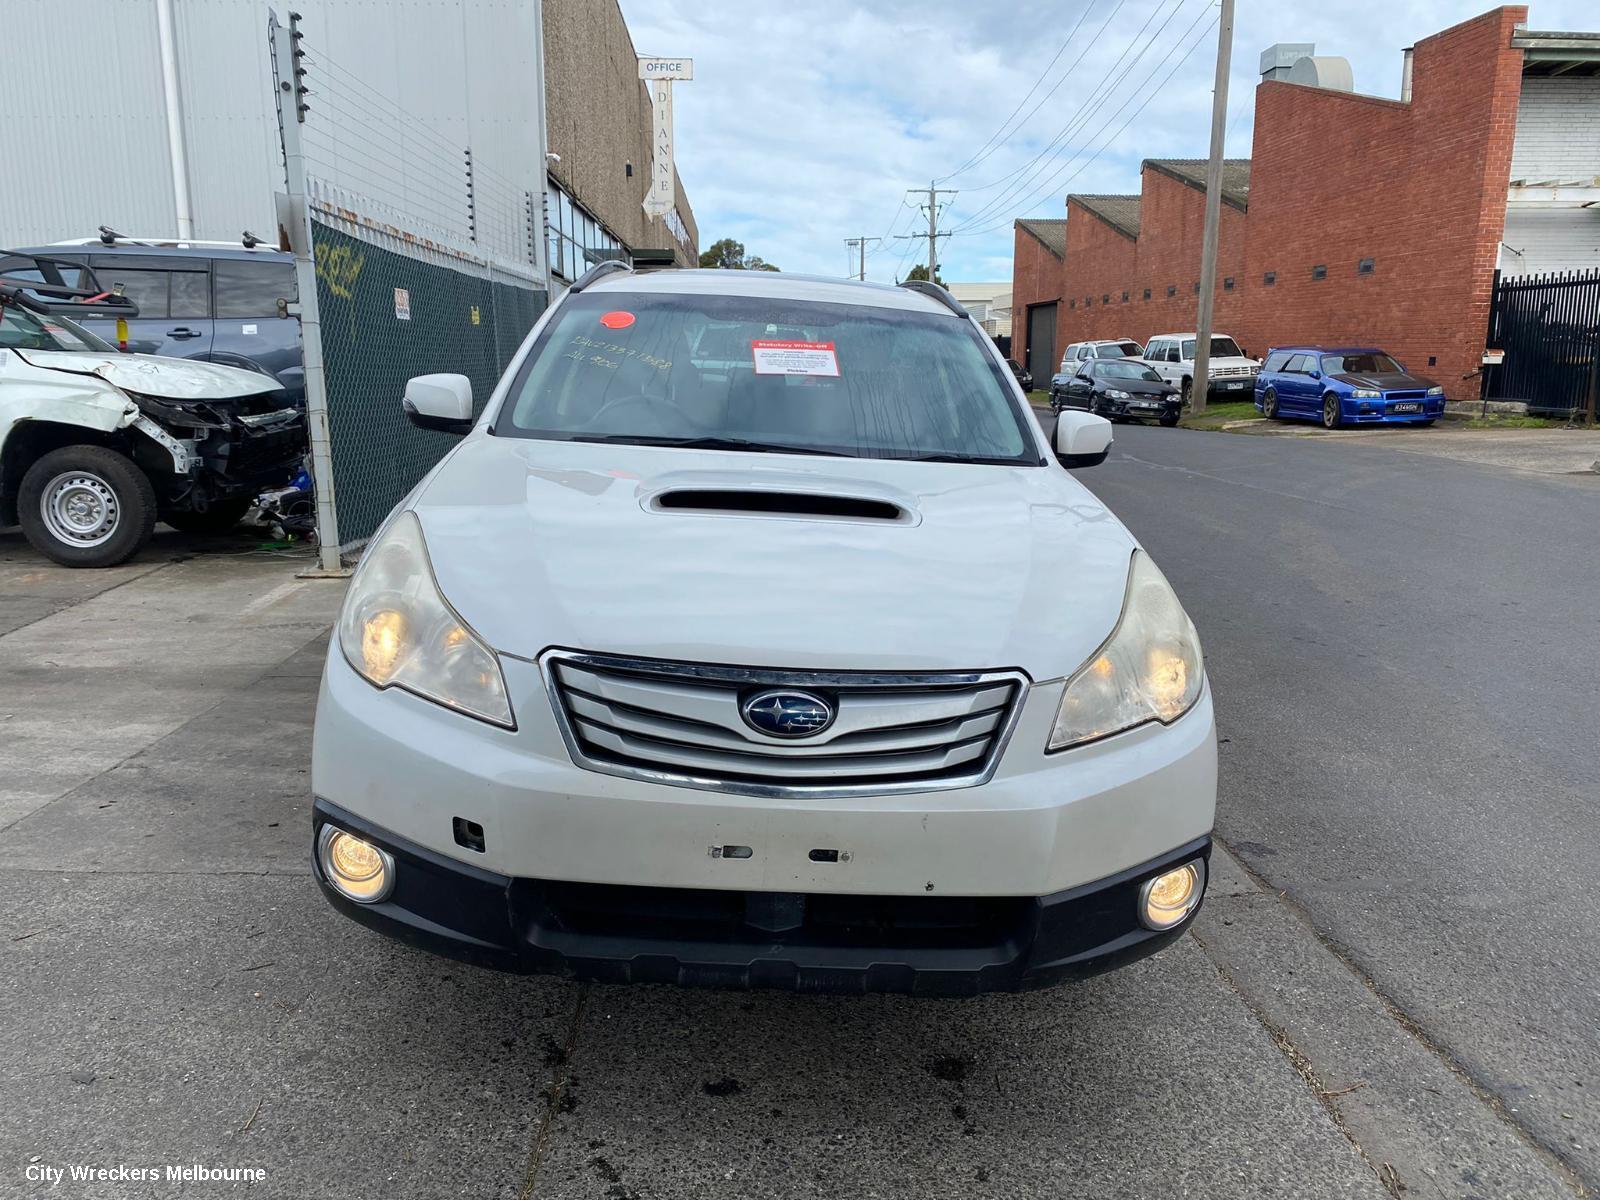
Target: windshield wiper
953	458
705	443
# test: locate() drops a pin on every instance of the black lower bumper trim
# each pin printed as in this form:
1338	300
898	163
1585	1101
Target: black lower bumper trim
829	944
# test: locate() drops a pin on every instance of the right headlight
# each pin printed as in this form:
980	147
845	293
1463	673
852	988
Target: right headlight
397	630
1149	670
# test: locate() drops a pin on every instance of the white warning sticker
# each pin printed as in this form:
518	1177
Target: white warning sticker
794	358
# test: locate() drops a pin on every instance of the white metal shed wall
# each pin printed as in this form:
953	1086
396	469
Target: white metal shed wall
1540	240
1558	130
86	121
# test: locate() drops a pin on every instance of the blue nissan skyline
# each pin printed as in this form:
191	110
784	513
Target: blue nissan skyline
1344	386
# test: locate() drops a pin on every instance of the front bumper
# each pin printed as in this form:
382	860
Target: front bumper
920	945
1159	406
1383	412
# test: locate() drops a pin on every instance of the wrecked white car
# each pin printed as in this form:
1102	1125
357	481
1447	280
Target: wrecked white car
96	445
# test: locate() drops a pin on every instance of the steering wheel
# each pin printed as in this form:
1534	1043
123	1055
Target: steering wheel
654	405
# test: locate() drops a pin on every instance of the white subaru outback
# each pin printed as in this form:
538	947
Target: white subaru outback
756	636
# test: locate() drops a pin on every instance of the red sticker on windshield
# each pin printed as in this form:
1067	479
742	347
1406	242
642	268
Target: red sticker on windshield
617	320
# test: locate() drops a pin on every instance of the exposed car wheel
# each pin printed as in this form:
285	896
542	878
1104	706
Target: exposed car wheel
1269	404
222	516
1169	419
1186	388
86	506
1055	403
1331	416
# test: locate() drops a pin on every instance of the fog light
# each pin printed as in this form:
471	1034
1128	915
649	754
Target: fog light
1171	896
355	868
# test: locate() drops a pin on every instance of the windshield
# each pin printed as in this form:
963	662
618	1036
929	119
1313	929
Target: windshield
22	330
1119	350
1221	347
1126	369
757	373
1367	363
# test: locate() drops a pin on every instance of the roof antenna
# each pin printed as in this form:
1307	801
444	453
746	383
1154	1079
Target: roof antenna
251	241
109	235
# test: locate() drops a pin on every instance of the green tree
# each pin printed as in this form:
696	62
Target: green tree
921	272
729	255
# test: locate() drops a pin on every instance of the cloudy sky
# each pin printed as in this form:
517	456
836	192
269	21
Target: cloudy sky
808	119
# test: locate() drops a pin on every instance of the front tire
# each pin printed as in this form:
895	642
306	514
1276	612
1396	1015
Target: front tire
1269	404
86	506
1186	389
1332	418
219	518
1168	420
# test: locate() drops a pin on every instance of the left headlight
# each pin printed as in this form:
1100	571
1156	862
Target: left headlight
1149	670
397	630
1364	394
1117	394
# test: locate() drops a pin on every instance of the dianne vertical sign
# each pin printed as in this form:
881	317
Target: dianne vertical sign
658	74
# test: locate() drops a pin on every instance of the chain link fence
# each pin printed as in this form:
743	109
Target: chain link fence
425	260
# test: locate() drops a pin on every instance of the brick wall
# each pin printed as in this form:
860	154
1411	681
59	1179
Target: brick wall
1419	188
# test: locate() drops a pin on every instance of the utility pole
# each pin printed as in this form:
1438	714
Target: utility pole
1208	244
861	244
933	235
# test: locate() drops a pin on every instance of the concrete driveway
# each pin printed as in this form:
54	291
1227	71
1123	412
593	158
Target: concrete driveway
175	993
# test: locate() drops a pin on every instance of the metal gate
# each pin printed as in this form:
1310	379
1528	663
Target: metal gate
1041	362
1549	328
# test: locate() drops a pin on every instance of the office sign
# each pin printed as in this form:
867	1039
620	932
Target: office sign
666	68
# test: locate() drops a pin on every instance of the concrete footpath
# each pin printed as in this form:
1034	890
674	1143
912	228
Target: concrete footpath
174	991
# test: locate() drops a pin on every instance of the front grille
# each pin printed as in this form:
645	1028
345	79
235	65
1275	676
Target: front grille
1405	395
681	723
1232	372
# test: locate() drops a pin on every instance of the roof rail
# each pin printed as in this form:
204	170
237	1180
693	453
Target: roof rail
934	292
599	271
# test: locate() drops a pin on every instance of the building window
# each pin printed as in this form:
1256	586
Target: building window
575	239
1106	299
1270	278
1073	303
1124	297
1197	289
1320	271
1147	293
1172	289
1088	301
1227	284
1364	267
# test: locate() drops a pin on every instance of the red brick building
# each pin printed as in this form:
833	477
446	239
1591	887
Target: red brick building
1357	220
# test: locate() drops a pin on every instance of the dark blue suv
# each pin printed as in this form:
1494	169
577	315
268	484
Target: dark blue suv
223	302
1344	386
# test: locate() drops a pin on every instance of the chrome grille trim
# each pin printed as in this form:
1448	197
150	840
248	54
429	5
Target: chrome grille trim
679	724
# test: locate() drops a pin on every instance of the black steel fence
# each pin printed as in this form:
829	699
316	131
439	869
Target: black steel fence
1549	328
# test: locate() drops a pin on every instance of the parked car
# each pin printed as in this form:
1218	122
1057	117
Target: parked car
1120	388
96	444
221	302
643	683
1231	371
1024	376
1108	348
1359	386
1079	352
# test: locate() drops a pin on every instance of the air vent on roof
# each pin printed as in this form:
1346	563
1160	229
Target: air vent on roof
797	504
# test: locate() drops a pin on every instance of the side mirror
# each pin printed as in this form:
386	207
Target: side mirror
1082	439
442	403
1316	374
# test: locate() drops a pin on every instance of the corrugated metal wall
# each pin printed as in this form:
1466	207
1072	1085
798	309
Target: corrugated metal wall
1541	240
83	137
83	133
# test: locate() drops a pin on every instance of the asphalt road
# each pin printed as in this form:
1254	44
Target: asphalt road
1405	653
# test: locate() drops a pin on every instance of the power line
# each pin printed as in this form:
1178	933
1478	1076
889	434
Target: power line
964	231
990	146
1082	118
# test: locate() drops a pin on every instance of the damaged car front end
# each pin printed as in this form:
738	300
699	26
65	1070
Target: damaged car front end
96	444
